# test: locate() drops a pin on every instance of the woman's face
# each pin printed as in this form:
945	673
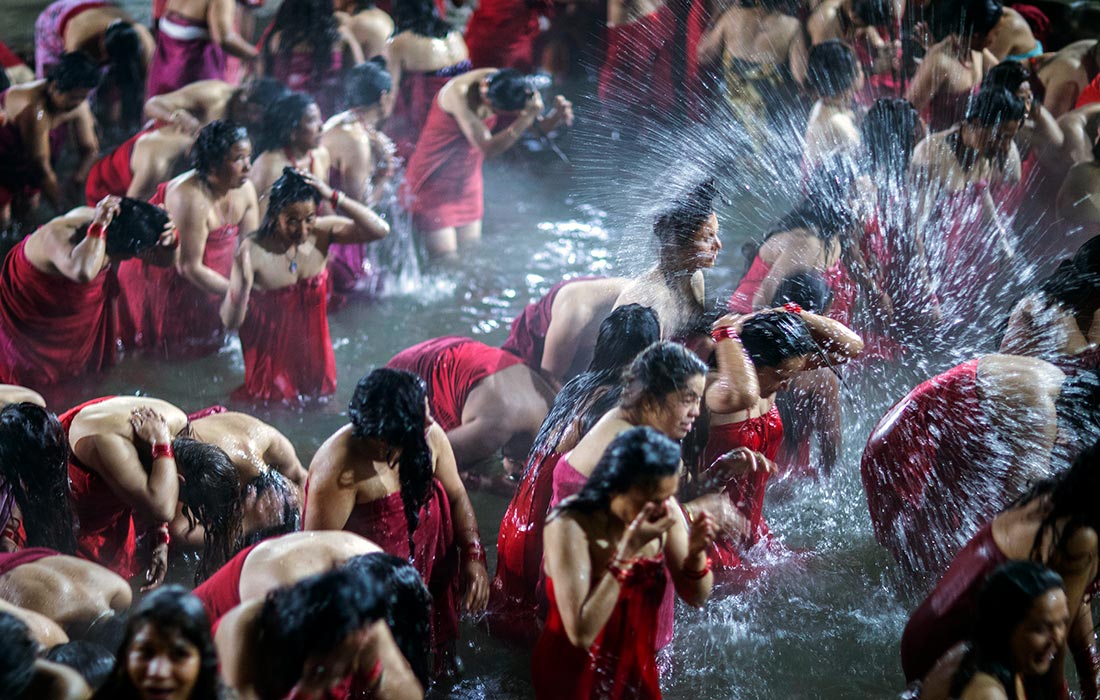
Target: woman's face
773	379
237	165
704	245
162	664
675	414
322	672
295	222
1042	634
639	495
308	134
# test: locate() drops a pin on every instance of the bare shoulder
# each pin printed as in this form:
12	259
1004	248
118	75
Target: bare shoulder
983	687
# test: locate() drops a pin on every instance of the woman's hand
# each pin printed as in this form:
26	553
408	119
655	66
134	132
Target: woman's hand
476	580
701	534
106	210
316	183
651	522
740	461
149	426
158	568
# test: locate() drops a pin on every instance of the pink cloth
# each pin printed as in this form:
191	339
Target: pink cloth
185	53
49	31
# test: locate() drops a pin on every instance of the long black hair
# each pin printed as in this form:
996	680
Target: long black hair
1004	602
769	338
290	188
210	494
637	457
136	228
125	74
282	118
309	22
290	511
419	17
889	133
826	210
1074	283
661	369
623	334
831	68
212	145
169	609
34	461
388	404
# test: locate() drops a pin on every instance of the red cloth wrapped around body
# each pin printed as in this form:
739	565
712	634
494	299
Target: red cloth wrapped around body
9	561
763	434
415	97
296	72
527	338
113	173
161	311
186	53
451	366
621	663
286	344
105	533
1090	94
443	185
836	278
222	591
501	33
52	328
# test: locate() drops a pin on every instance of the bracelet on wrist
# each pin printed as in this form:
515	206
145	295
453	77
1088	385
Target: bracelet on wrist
724	333
162	534
162	449
791	307
701	573
97	230
474	551
620	569
337	197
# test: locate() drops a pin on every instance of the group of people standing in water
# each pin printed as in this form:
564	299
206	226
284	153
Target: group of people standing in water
948	161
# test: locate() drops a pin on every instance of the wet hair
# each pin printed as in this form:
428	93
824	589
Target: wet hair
1078	406
660	370
964	18
407	607
170	609
290	516
993	107
367	82
261	92
94	662
832	69
308	22
388	404
290	188
75	70
213	144
209	492
807	289
18	651
310	618
419	17
135	229
676	226
889	133
627	331
826	210
1004	602
125	74
1009	75
282	118
1075	283
874	13
1071	494
509	90
636	457
34	461
772	337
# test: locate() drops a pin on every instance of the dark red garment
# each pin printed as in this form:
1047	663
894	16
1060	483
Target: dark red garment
9	561
621	663
876	85
162	312
1090	94
20	175
113	173
186	53
514	606
414	101
105	534
1036	19
639	68
204	412
924	467
946	615
53	328
763	434
836	278
501	33
8	59
295	70
443	185
222	591
451	367
383	522
527	339
286	344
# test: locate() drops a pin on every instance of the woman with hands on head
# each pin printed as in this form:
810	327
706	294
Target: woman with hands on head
278	288
606	553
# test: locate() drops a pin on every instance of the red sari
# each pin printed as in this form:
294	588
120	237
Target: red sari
105	533
286	344
186	53
443	185
113	173
415	97
222	591
620	664
162	312
9	561
836	278
502	33
527	338
52	328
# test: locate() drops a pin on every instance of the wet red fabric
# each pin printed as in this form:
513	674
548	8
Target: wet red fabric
162	312
514	606
638	69
414	101
286	344
836	278
763	434
451	367
443	185
185	54
527	338
8	59
53	328
621	663
113	173
923	449
501	33
383	522
204	412
946	615
1090	94
741	300
296	72
222	591
105	534
12	560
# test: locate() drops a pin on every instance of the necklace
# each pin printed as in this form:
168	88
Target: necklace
293	260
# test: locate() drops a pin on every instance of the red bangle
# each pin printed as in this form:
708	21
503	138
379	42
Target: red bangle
474	551
697	575
335	198
723	333
620	570
792	307
162	534
97	230
374	675
163	450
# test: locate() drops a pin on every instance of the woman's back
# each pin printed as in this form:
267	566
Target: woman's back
425	54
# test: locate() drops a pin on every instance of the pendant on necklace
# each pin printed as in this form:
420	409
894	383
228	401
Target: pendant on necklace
293	266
